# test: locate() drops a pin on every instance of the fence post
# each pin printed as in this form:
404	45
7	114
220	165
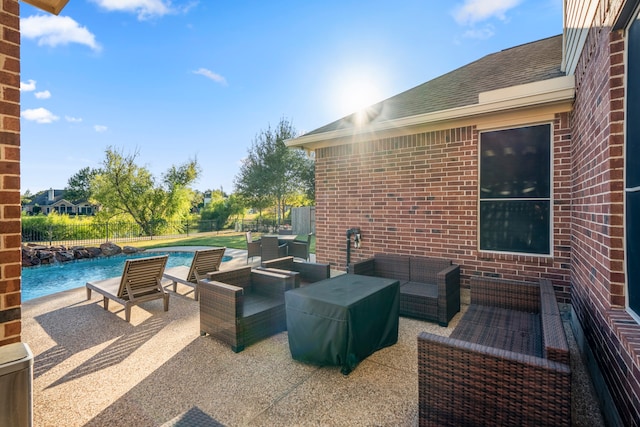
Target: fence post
50	234
106	231
187	228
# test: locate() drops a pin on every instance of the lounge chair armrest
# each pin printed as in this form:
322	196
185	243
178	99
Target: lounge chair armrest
284	263
448	293
221	300
532	390
365	267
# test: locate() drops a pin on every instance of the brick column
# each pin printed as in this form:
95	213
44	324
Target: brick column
10	255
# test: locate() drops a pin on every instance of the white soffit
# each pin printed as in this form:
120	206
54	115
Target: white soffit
51	6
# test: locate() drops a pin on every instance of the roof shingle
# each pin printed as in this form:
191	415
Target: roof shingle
527	63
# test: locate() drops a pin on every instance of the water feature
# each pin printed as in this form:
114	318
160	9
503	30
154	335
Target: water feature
48	279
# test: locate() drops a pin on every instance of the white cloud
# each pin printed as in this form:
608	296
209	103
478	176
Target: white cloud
39	115
100	128
473	11
480	34
145	9
45	94
29	86
211	75
53	31
73	119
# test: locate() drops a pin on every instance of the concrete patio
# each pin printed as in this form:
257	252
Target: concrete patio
92	368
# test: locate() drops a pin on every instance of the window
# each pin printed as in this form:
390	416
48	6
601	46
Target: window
515	190
632	168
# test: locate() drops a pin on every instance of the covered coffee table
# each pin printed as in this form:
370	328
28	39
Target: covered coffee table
342	320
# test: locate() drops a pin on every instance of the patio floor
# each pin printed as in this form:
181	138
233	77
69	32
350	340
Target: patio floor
92	368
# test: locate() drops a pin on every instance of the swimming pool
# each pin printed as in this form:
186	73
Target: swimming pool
48	279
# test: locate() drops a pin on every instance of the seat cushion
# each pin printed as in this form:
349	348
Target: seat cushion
256	303
501	328
427	290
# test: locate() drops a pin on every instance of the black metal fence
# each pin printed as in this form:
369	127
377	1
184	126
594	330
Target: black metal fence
262	225
96	233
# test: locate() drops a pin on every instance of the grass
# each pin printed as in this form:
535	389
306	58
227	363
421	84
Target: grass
234	240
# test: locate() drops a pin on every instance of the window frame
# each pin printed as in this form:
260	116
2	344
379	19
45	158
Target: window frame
633	312
550	198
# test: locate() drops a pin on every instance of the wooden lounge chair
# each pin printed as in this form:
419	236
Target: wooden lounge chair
141	281
204	261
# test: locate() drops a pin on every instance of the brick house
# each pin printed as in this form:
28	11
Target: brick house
10	238
55	201
518	165
413	174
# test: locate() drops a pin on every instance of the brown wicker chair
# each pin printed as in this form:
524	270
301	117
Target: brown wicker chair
304	272
242	306
253	246
429	287
506	363
271	248
300	248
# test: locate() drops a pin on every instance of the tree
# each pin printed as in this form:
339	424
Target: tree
272	173
124	188
78	186
221	208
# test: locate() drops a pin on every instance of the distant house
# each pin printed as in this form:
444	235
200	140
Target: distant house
52	200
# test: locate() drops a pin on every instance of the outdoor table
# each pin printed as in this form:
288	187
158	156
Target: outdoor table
342	320
284	238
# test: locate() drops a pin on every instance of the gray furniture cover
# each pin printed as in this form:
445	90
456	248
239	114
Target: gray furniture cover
342	320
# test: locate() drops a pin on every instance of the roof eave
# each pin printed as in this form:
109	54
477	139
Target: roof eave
51	6
559	90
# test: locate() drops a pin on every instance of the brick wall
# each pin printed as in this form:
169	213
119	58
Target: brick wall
418	194
10	324
597	266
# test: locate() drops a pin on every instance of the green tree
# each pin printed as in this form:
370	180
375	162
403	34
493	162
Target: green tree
272	173
221	208
124	188
79	185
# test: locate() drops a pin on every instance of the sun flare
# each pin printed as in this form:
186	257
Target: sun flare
356	91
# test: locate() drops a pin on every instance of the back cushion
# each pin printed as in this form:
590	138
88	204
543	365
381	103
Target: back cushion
392	266
426	270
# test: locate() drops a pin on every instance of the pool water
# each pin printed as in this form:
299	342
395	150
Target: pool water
49	279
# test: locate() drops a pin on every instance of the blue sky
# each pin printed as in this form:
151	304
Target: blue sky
182	79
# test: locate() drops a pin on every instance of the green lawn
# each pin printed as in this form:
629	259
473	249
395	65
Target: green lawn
229	240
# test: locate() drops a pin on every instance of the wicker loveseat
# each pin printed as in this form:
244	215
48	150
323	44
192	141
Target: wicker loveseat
429	287
506	363
242	306
307	272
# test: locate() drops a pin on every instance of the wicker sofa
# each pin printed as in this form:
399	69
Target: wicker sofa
304	272
506	363
242	306
429	287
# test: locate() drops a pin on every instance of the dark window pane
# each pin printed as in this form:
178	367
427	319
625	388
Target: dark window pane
515	226
515	163
633	250
633	107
